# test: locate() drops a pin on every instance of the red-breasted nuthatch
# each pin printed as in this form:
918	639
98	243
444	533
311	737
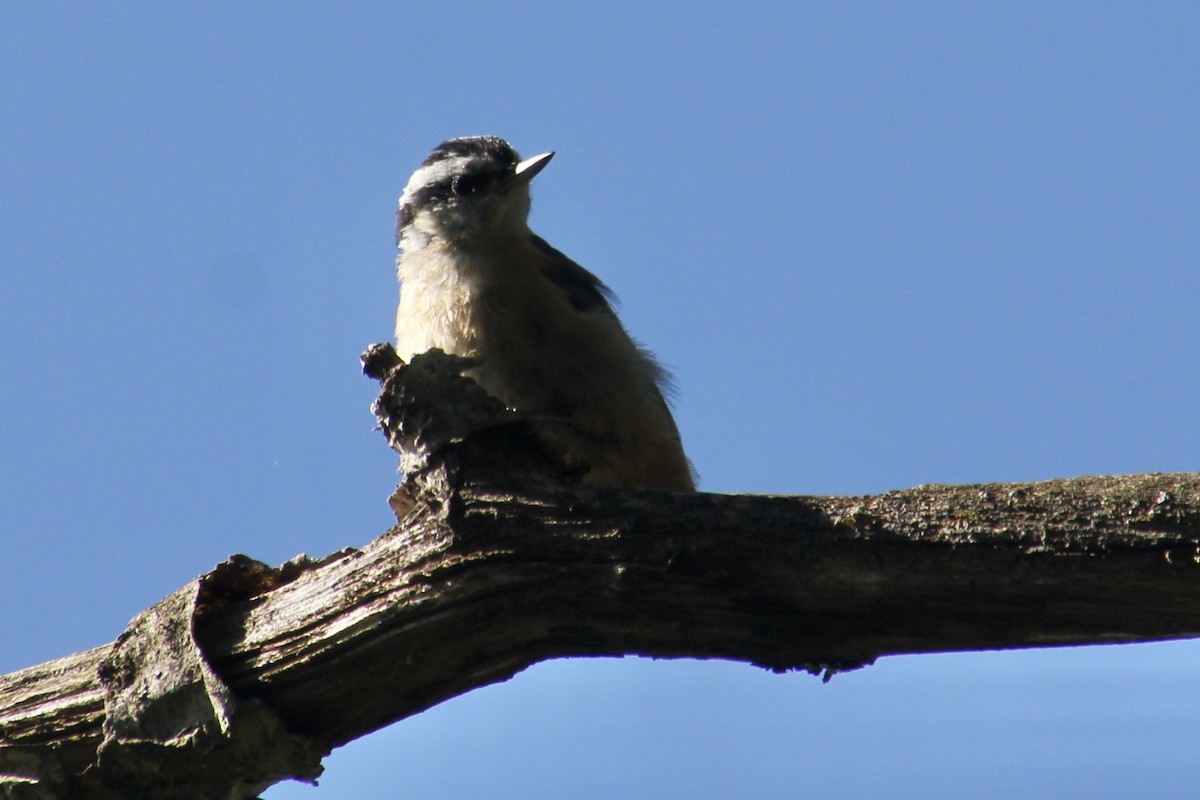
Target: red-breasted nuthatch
476	282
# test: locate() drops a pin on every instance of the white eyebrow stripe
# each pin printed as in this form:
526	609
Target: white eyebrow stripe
434	173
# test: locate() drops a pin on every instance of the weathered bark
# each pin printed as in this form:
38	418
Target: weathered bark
498	563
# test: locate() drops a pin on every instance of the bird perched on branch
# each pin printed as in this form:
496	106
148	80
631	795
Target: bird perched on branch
475	281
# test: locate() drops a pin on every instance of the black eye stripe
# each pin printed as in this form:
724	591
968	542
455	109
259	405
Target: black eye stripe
404	218
475	182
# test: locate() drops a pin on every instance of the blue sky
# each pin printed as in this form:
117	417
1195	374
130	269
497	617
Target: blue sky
879	244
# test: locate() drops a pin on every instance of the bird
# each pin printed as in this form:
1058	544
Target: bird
539	329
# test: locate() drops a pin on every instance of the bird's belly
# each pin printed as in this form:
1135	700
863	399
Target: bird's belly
437	316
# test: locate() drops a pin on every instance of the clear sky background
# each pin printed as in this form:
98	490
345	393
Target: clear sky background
880	245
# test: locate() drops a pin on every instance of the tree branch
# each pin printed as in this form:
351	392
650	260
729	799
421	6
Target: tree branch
499	563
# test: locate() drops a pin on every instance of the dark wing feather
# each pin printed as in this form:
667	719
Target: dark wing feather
585	291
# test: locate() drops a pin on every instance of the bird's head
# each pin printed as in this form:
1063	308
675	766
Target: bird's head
467	190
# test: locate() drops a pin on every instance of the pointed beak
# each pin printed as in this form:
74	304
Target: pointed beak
523	173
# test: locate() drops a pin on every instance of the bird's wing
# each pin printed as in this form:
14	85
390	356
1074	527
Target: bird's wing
585	291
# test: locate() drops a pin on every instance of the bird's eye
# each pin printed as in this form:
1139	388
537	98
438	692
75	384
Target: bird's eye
474	182
467	184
